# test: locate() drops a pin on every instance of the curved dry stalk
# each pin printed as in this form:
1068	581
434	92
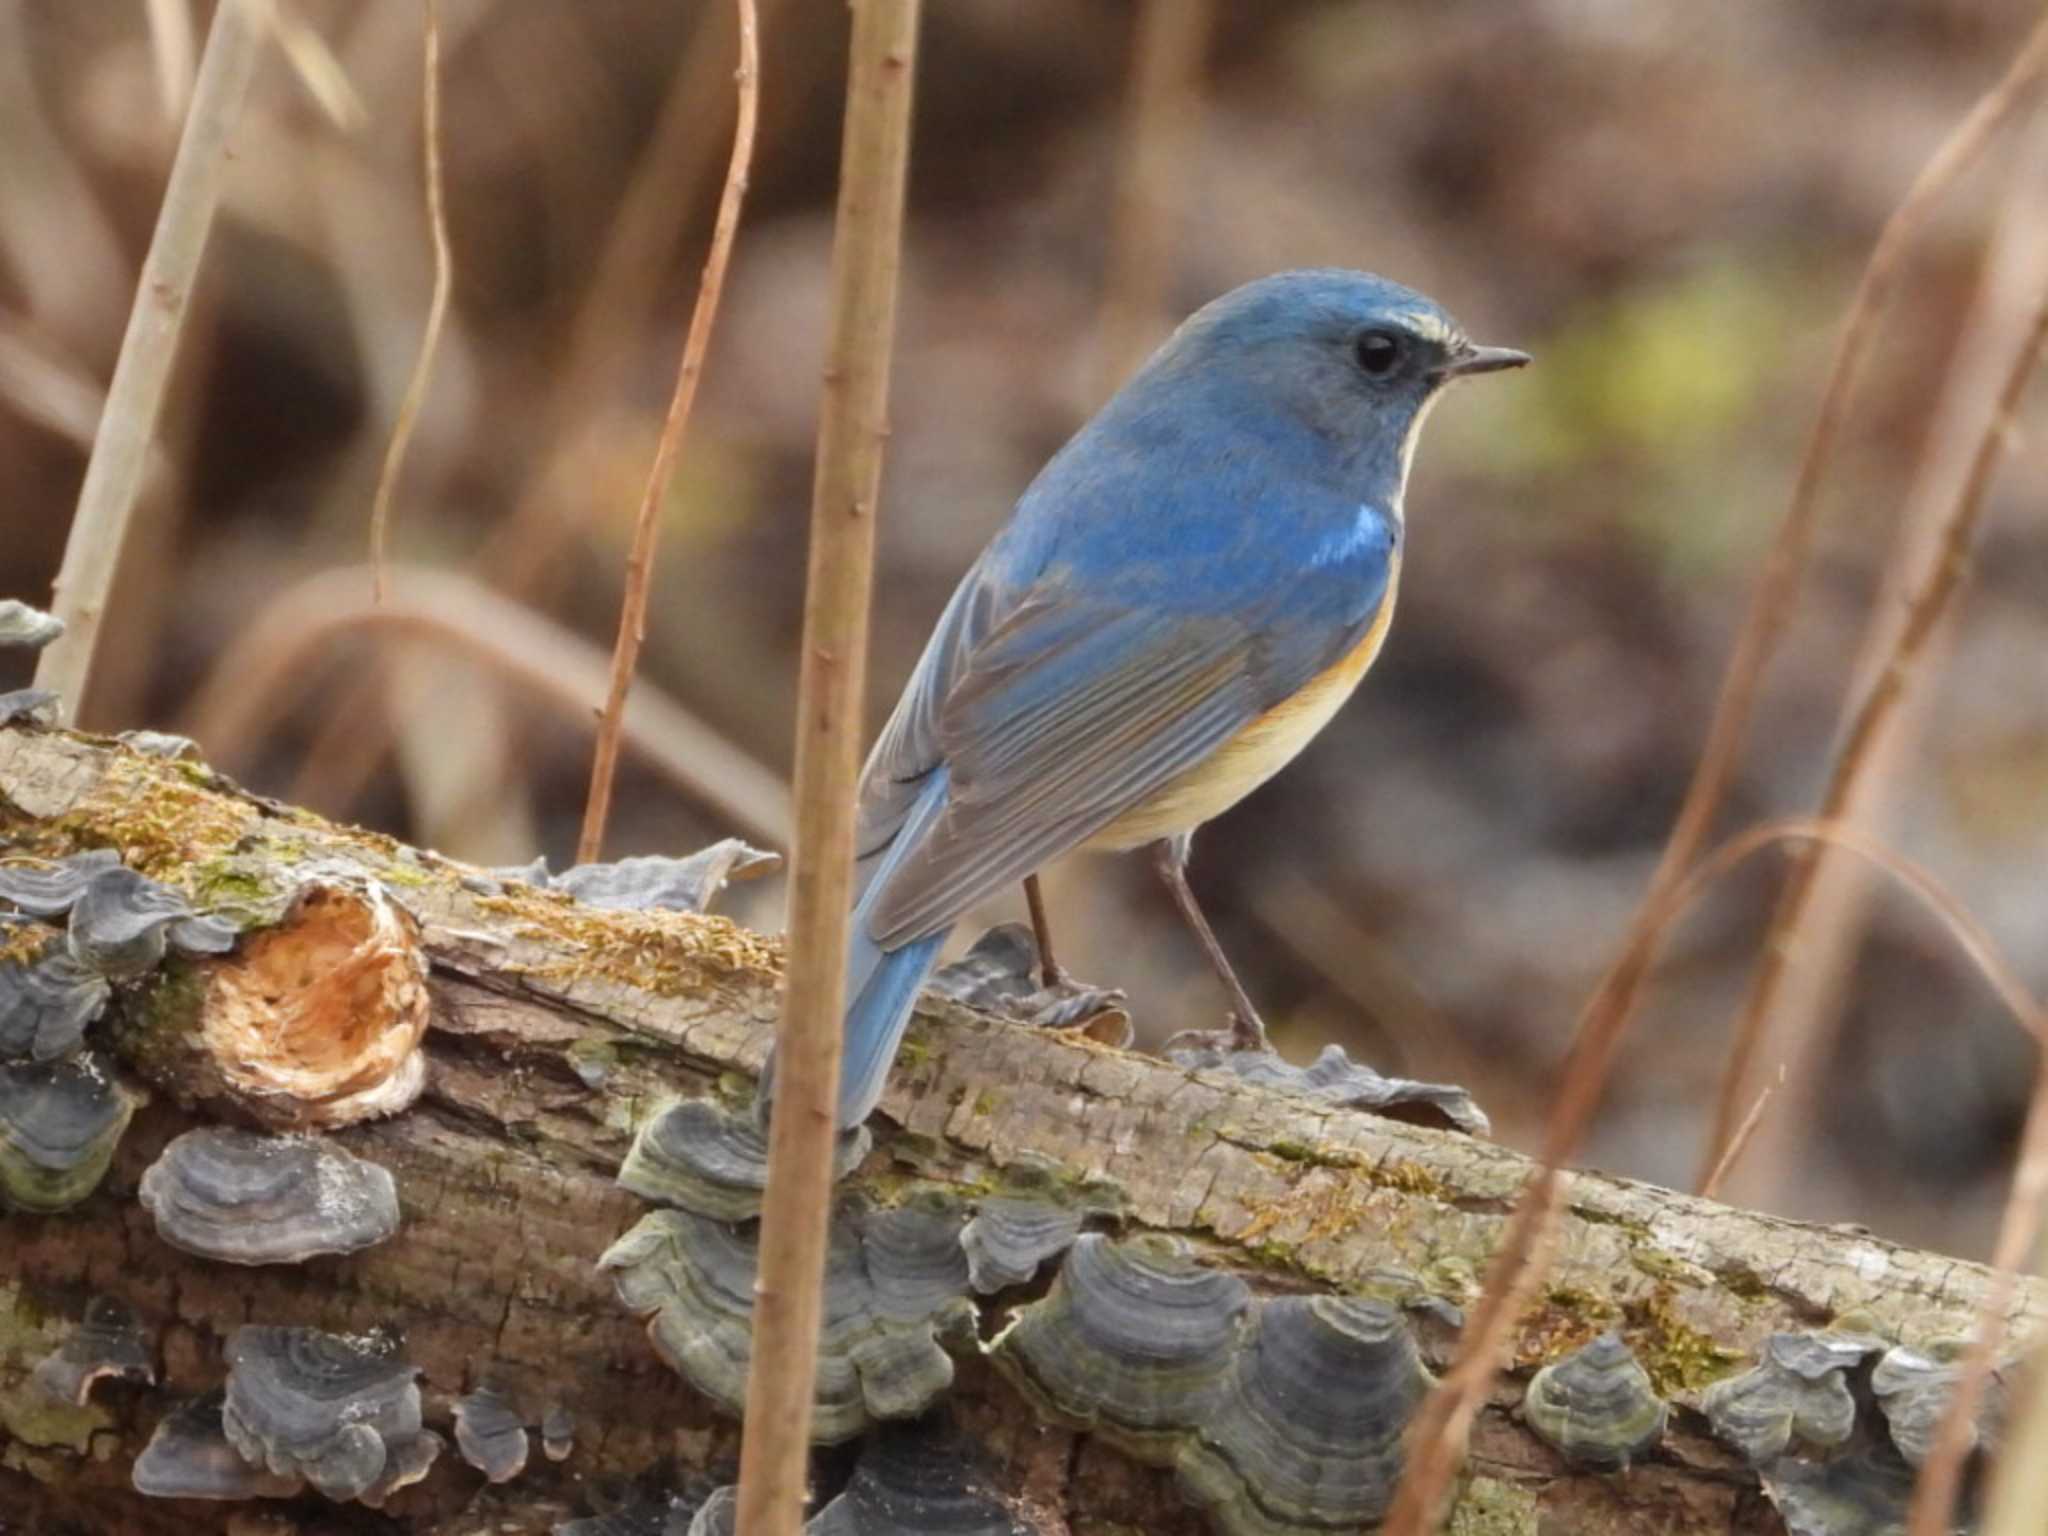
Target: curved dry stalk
171	52
1771	605
647	527
1876	714
437	306
853	429
115	473
1441	1428
555	664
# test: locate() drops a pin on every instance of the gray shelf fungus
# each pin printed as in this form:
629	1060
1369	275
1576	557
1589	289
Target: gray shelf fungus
26	628
59	1124
109	1344
666	1514
1034	1217
490	1435
698	1155
1135	1341
1862	1492
1307	1436
1913	1386
246	1198
1799	1390
1333	1079
317	1021
52	888
557	1432
917	1478
29	706
1001	974
1596	1407
189	1457
121	923
406	1462
887	1307
47	1002
336	1411
655	882
720	1515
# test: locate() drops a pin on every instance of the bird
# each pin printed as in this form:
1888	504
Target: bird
1180	600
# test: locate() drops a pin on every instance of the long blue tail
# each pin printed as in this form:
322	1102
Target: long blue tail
881	985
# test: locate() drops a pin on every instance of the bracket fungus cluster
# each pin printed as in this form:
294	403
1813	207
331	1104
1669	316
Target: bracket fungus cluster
653	882
109	1344
59	1124
698	1155
1333	1078
1596	1407
489	1434
341	1413
246	1198
1798	1391
890	1295
1001	974
116	926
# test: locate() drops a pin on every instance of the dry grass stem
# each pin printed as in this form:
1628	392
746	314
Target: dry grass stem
1441	1428
1875	715
647	526
1743	1132
115	473
1772	602
437	307
313	62
172	52
2019	1481
1934	1497
553	664
1163	112
852	432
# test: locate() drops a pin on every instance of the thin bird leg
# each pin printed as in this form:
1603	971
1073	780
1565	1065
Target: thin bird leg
1170	858
1051	973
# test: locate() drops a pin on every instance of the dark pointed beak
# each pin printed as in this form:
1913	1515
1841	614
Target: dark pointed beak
1485	360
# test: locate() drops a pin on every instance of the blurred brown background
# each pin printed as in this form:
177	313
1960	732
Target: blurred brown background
1669	205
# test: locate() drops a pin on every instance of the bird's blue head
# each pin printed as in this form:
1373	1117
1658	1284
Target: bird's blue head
1332	369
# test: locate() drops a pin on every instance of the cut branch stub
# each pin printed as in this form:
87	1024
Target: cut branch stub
317	1021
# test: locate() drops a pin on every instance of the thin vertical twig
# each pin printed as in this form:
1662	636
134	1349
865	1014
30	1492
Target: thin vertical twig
437	308
1163	108
1874	716
1934	1496
1447	1416
647	526
120	452
1771	605
1710	1186
852	430
2019	1481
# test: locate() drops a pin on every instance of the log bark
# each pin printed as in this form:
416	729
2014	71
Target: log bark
555	1028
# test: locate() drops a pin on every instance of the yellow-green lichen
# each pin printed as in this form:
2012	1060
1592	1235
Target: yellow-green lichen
1678	1356
1488	1506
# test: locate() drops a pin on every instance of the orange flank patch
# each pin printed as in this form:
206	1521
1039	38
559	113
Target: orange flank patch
1253	755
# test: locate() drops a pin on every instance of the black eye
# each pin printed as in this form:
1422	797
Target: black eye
1378	352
